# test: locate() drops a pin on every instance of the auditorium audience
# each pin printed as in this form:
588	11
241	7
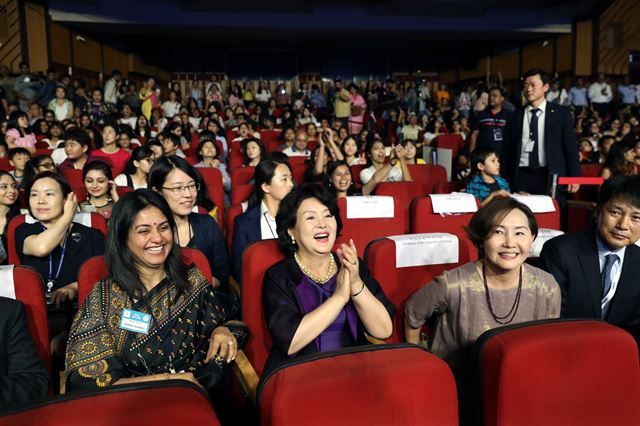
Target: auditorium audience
9	208
315	300
395	170
102	192
621	160
339	180
137	168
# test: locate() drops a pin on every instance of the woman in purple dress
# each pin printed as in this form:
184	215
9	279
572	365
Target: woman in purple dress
315	300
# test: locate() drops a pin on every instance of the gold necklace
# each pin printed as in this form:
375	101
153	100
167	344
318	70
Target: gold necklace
312	276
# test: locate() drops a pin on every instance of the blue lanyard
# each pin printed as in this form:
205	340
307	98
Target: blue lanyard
51	278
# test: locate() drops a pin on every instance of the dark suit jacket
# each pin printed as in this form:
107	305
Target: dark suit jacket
23	376
573	261
560	147
246	230
208	238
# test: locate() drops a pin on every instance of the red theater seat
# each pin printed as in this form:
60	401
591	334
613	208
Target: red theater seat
559	372
242	176
404	192
174	402
95	269
449	141
399	284
241	193
256	259
362	231
298	173
427	175
29	289
97	222
213	180
371	385
549	220
234	211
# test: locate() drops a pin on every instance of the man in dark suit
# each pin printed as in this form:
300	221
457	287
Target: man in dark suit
540	141
598	269
23	376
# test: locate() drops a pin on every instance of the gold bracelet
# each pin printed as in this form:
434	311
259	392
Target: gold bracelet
361	290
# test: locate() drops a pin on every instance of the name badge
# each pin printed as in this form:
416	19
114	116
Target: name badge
528	146
135	321
497	134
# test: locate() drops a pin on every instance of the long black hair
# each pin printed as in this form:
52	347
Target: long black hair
14	210
13	122
165	165
138	154
119	260
331	167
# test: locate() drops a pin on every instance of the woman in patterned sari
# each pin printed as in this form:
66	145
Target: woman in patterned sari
190	334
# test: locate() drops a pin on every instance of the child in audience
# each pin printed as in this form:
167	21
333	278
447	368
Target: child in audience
18	158
171	145
38	164
411	152
18	133
101	189
76	147
137	169
485	182
110	150
207	153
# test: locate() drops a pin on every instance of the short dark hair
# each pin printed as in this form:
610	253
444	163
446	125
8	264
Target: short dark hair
203	141
499	89
118	258
16	151
479	155
623	186
62	183
288	211
544	76
489	216
78	135
243	147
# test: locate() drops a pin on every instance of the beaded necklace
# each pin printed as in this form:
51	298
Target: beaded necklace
311	276
516	303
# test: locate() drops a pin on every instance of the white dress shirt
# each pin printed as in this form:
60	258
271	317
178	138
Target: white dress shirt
527	145
616	270
595	93
267	224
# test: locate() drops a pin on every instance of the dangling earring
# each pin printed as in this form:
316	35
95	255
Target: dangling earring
293	240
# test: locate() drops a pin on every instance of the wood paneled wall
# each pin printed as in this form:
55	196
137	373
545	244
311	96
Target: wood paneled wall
584	48
538	55
619	32
506	65
36	23
11	48
564	53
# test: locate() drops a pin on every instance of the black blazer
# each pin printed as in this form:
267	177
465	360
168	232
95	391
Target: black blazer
23	376
560	146
573	261
246	230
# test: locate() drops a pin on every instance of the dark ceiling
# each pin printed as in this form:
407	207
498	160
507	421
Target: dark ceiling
434	33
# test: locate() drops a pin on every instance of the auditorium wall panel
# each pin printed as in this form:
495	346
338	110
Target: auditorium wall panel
506	64
60	39
10	37
114	59
535	55
479	71
584	48
36	30
619	33
87	53
564	53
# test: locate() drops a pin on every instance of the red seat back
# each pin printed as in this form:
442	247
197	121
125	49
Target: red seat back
298	173
399	284
234	211
355	172
181	402
95	269
424	220
452	142
213	179
362	231
5	164
256	259
549	220
242	175
29	289
97	222
404	192
446	187
241	193
269	136
559	373
380	385
427	175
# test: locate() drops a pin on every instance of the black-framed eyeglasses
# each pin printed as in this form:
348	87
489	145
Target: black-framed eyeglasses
192	187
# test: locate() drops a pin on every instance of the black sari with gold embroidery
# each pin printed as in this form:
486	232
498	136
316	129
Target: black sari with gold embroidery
99	352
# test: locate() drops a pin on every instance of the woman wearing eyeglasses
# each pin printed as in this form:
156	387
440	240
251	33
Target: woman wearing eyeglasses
179	182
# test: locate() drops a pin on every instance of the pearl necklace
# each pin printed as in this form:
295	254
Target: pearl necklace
311	276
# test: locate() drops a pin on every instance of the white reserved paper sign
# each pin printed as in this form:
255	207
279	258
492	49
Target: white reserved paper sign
544	235
369	207
456	202
435	248
7	286
537	203
83	218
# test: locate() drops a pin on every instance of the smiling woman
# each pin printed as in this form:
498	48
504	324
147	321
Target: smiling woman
498	289
153	318
315	300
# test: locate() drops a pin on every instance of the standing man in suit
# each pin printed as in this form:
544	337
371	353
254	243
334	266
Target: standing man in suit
540	141
23	376
598	269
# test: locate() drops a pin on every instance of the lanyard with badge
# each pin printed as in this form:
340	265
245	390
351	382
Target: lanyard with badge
140	323
51	278
528	146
